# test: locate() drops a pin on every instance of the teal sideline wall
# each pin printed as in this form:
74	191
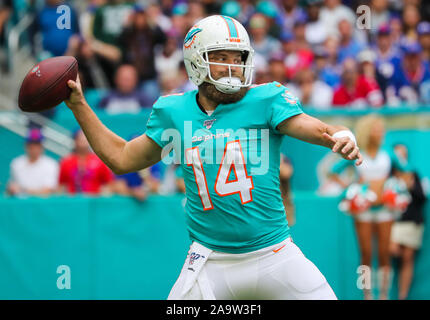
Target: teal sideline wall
117	248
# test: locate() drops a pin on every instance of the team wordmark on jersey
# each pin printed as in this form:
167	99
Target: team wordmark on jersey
254	145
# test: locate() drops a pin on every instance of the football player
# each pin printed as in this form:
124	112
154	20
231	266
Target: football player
227	135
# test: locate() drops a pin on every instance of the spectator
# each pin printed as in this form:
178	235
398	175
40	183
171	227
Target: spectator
6	7
211	7
349	47
295	59
270	12
180	184
169	83
408	76
167	59
55	40
90	70
410	17
325	71
109	21
263	44
195	12
86	17
379	15
184	83
396	27
366	60
407	231
231	8
125	98
262	76
138	41
5	12
277	69
355	90
173	180
154	13
331	46
179	21
315	32
247	10
332	13
312	92
153	177
130	184
423	31
387	56
299	31
82	171
285	174
289	14
33	173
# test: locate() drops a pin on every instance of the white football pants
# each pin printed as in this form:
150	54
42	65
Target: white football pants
278	272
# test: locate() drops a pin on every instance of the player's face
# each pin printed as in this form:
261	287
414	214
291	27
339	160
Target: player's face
228	57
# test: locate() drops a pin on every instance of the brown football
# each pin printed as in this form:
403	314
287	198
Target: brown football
45	85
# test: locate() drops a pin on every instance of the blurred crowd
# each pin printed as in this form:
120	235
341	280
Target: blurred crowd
318	48
82	172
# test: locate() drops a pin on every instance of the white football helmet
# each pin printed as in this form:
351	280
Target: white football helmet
217	33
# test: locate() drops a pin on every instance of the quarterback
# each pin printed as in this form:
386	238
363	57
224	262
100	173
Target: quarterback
241	247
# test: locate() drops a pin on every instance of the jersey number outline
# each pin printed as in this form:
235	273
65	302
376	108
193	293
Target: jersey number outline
242	184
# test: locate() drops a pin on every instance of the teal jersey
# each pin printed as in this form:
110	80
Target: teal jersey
230	164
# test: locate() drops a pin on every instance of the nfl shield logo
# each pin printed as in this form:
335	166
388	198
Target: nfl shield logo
208	123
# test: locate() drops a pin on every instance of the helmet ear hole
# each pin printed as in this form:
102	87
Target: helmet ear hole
195	69
245	55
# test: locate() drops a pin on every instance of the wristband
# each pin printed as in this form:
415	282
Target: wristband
345	133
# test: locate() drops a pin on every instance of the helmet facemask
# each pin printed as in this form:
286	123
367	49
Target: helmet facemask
228	84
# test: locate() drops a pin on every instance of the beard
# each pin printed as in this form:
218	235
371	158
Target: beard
212	93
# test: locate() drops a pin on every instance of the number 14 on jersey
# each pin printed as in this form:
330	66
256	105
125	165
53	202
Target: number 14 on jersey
232	160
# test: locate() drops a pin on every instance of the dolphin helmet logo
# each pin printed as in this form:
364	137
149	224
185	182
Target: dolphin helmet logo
190	37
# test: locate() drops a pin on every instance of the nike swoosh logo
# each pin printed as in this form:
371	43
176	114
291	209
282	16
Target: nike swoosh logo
276	250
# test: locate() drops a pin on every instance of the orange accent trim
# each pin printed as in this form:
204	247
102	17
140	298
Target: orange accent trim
226	182
226	23
195	177
279	249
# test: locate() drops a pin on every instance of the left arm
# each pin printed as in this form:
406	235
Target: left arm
312	130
